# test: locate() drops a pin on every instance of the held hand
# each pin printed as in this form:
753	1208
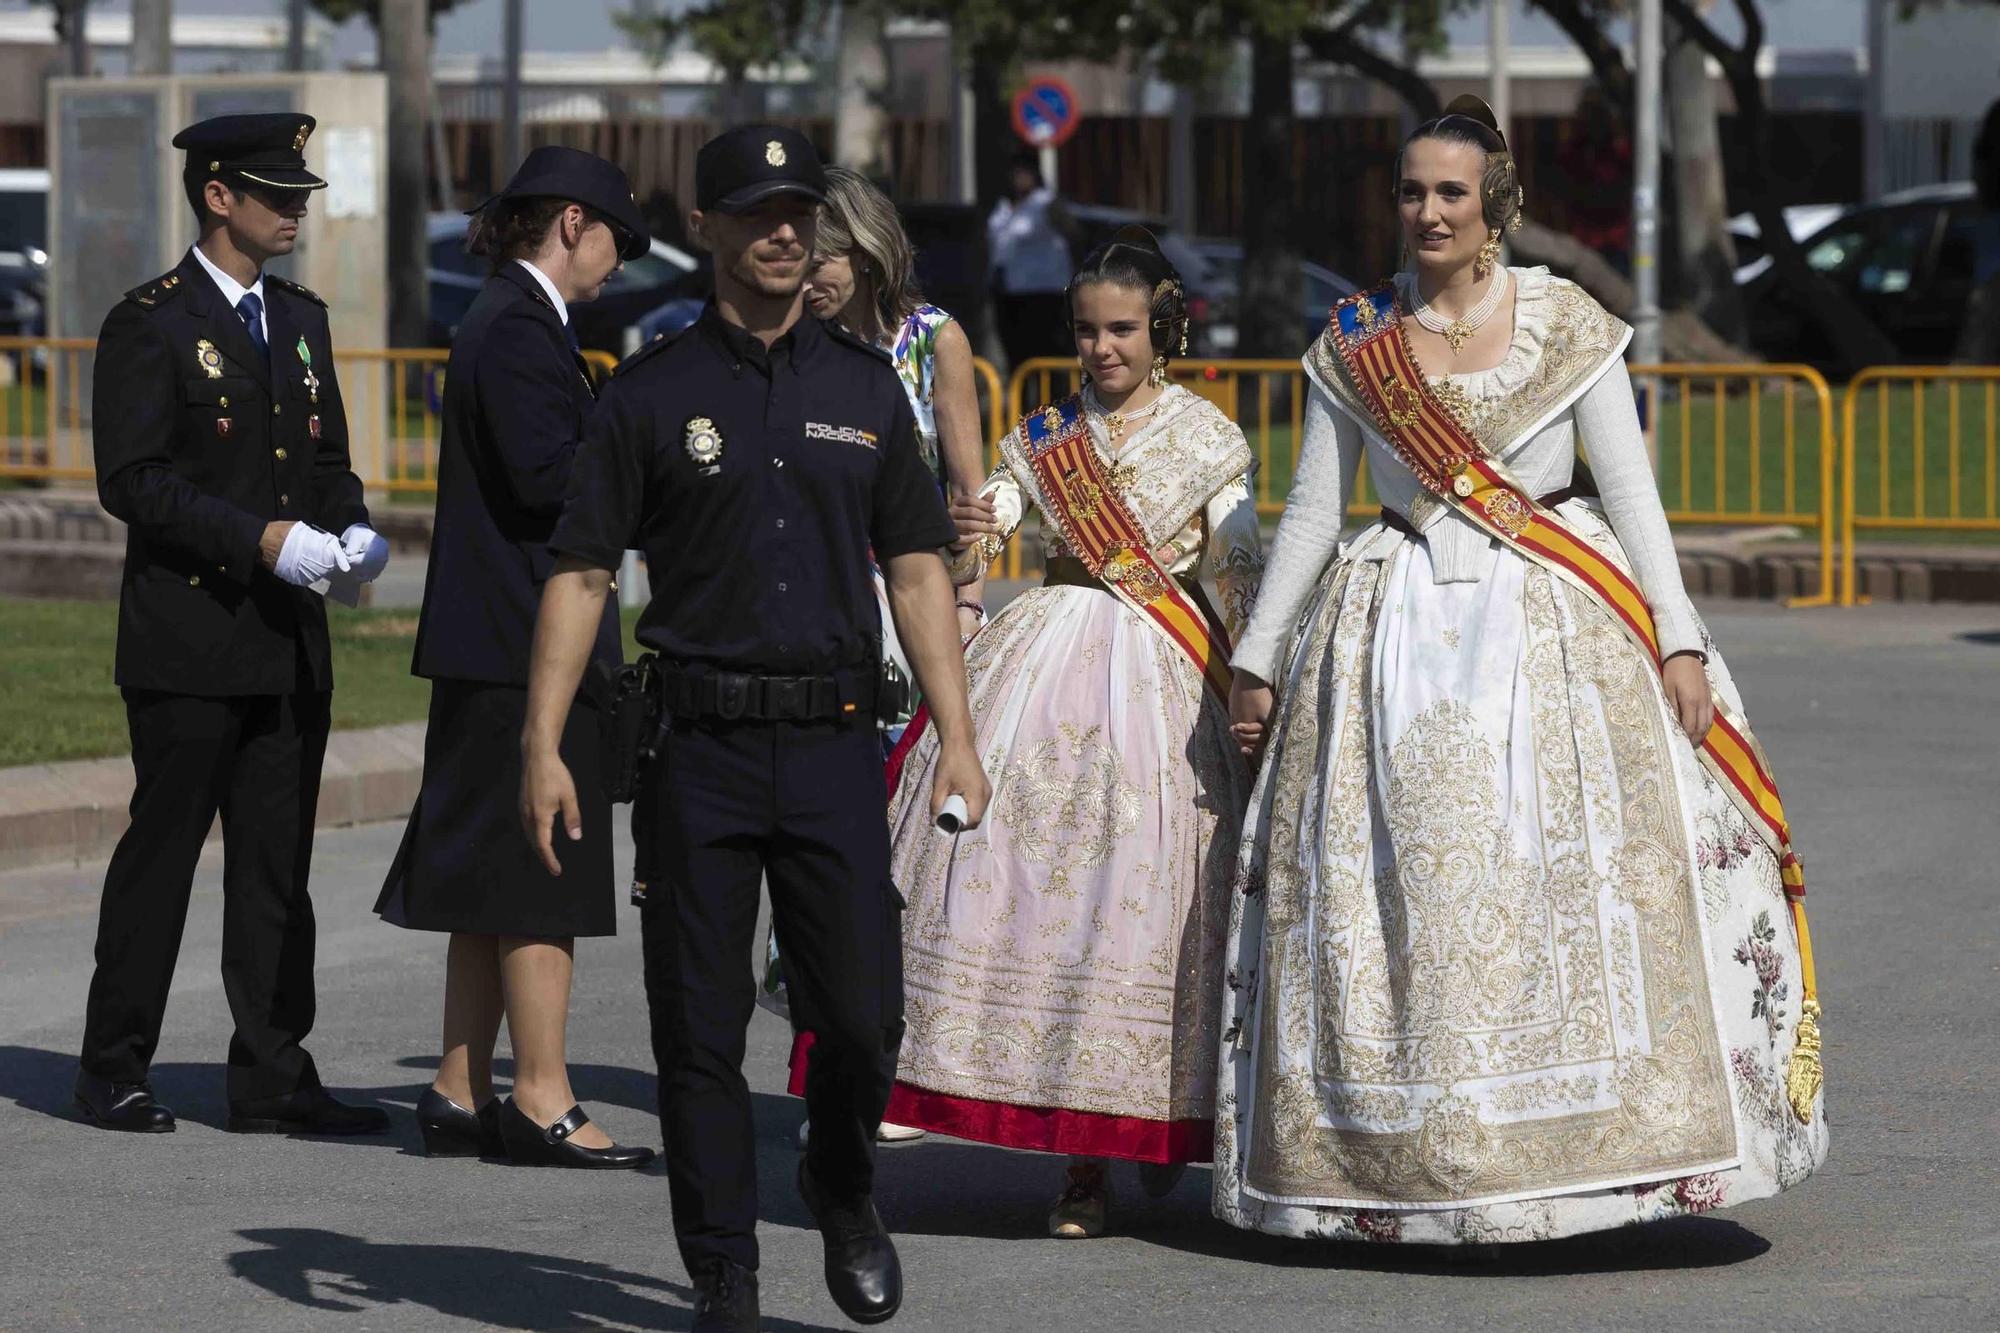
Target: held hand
975	517
959	774
548	791
1688	694
273	540
309	555
367	552
1250	705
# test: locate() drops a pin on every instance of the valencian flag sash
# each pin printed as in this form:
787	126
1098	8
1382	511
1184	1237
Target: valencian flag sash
1452	464
1078	495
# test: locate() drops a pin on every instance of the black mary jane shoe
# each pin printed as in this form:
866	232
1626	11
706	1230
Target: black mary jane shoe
126	1107
725	1299
528	1144
450	1130
863	1274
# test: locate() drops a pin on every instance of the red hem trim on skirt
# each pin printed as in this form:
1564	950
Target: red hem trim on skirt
1038	1128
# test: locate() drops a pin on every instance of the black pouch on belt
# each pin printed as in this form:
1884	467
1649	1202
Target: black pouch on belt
631	719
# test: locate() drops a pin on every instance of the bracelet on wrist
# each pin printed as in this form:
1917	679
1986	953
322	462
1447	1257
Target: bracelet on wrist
976	608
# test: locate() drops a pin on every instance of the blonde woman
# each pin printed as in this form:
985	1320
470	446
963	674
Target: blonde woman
1509	961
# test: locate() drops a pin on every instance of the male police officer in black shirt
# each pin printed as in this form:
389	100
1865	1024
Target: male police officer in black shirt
756	459
222	443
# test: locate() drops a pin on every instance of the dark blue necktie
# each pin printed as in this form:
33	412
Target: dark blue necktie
569	332
251	308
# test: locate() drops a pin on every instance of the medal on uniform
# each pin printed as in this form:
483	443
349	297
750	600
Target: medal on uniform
210	359
223	425
704	445
312	380
312	425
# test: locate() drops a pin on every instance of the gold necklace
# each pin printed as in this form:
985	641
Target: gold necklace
1116	422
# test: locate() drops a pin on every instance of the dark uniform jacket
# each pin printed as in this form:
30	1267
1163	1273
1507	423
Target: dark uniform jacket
756	481
516	397
199	444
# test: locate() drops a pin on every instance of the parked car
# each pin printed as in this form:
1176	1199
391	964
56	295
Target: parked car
641	286
1753	257
24	258
1907	262
1319	288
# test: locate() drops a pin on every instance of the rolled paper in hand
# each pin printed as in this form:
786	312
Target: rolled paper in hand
952	818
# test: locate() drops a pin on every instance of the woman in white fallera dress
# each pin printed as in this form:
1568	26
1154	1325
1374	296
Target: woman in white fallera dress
1507	963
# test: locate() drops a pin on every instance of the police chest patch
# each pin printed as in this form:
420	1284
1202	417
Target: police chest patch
819	430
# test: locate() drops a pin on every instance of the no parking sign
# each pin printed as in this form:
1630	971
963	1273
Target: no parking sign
1046	113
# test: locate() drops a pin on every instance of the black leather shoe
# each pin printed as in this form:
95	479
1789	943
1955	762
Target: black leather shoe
863	1275
450	1130
725	1299
306	1111
128	1107
530	1145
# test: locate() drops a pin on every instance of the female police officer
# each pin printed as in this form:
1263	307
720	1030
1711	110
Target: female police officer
516	399
756	458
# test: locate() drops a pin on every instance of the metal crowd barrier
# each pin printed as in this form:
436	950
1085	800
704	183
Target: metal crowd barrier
1733	444
1918	454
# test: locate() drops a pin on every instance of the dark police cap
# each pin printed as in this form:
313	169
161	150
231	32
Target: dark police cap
267	149
740	168
555	172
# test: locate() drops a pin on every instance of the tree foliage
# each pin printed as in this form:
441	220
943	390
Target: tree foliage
340	11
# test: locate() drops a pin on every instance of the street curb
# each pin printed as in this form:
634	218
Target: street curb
72	813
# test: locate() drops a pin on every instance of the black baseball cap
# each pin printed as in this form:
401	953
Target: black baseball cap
747	165
266	149
555	172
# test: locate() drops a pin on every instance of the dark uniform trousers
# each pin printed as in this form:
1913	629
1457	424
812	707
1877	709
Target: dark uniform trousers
256	760
801	804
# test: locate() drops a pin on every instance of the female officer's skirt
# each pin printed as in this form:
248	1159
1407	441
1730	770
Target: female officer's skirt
465	865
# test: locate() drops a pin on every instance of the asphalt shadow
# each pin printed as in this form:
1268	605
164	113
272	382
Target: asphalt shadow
317	1269
44	1082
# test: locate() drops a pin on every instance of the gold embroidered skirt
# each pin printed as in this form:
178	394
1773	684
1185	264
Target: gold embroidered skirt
1506	965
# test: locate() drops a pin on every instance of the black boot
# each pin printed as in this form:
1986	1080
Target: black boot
725	1299
863	1275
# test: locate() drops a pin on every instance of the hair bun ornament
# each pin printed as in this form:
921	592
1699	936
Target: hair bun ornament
1475	108
1136	236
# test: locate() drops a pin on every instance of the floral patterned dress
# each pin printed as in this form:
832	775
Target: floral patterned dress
1507	964
1063	962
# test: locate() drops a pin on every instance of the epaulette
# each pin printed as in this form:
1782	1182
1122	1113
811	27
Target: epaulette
660	343
286	284
149	294
835	331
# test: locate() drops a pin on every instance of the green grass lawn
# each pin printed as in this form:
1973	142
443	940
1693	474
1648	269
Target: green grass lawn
60	703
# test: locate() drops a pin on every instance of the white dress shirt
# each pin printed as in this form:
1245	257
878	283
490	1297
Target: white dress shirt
234	291
555	297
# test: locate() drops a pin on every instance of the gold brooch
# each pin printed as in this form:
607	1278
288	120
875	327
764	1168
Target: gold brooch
1402	402
774	153
210	359
1365	316
704	442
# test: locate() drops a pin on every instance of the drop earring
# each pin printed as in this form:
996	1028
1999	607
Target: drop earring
1489	255
1158	378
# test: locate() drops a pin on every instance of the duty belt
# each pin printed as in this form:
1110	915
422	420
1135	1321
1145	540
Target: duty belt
689	690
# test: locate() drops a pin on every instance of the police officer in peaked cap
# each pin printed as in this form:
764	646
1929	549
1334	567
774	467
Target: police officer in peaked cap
756	458
221	442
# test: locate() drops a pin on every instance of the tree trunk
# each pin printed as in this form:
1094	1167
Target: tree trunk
862	75
993	141
404	34
152	36
1704	260
1267	314
70	32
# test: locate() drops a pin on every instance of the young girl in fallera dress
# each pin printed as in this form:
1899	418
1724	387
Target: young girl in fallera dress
1062	964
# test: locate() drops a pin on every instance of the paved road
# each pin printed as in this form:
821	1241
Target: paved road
1883	722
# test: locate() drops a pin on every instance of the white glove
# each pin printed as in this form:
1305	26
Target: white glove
367	552
309	555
